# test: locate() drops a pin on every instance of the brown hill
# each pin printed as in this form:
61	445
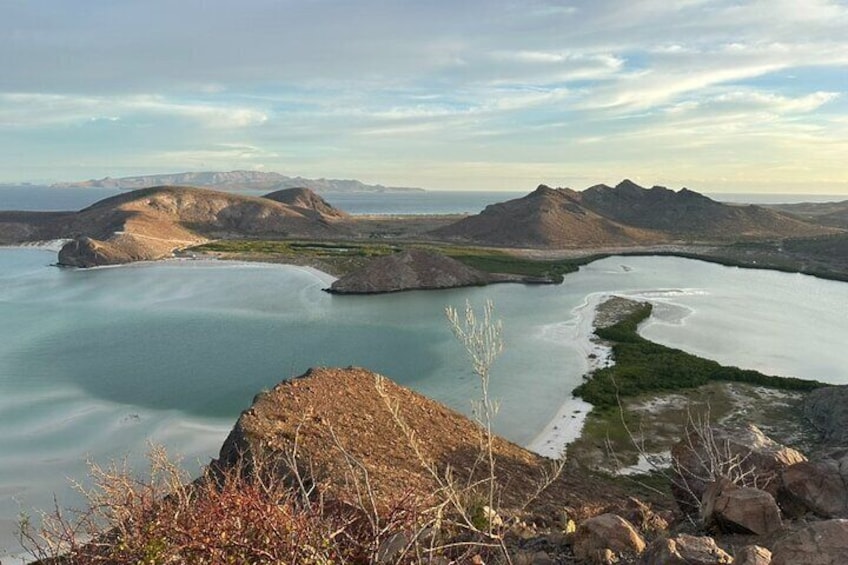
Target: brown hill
686	213
335	416
307	201
414	269
150	223
546	217
626	214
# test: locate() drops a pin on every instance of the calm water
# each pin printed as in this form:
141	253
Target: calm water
94	364
430	202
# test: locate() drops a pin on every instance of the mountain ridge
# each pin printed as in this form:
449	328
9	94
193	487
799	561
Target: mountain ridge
235	180
626	214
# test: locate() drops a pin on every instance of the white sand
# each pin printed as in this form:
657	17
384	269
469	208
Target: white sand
567	425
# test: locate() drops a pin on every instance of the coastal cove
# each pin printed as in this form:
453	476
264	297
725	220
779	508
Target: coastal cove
96	363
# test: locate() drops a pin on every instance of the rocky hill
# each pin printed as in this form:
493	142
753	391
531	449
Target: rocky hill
306	200
686	213
150	223
414	269
547	217
234	180
339	413
624	215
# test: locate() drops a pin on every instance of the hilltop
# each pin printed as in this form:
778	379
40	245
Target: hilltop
687	213
150	223
546	217
235	180
626	214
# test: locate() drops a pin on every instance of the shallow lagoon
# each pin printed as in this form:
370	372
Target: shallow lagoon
94	364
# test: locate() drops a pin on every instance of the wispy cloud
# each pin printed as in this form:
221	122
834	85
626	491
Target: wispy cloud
39	110
494	90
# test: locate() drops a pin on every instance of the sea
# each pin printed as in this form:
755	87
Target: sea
95	365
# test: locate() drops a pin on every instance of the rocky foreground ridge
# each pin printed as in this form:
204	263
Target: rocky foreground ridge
758	503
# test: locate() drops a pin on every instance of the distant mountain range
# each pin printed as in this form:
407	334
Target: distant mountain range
626	214
235	180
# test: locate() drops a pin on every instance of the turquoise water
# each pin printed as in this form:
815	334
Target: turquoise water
96	363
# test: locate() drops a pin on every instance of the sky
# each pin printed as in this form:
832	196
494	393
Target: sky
717	96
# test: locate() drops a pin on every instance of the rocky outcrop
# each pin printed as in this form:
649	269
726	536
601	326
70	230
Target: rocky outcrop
86	252
827	409
752	555
821	543
414	269
607	538
747	452
686	550
327	418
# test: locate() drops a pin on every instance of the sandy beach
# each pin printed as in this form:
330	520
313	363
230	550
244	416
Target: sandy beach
567	424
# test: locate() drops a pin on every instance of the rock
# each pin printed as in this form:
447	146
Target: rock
88	252
821	543
686	550
742	510
747	453
409	270
816	486
752	555
827	409
606	532
644	518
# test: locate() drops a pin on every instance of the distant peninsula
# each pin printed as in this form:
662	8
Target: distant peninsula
235	180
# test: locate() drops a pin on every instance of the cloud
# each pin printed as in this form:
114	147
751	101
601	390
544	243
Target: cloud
25	110
357	86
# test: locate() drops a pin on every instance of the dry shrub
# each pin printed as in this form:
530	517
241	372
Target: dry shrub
234	518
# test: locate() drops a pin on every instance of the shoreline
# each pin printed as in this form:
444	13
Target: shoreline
566	426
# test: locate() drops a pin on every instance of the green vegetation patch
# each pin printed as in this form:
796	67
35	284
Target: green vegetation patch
284	247
642	366
495	261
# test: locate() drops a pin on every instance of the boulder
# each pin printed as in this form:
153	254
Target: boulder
87	252
821	543
686	550
741	510
752	555
596	537
818	487
827	409
746	454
